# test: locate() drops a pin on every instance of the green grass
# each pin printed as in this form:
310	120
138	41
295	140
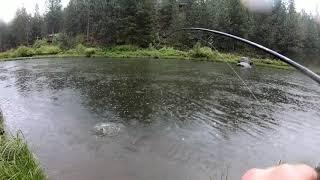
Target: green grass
16	160
42	49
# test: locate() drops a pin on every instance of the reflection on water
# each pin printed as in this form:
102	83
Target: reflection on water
181	119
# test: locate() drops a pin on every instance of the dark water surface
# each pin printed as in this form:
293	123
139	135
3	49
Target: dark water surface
310	60
181	120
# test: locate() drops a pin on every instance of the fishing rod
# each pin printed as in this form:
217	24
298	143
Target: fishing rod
283	58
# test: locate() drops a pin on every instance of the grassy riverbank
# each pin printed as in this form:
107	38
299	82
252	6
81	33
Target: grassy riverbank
16	160
129	51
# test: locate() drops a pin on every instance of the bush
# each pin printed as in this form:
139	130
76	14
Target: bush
23	51
169	51
80	49
64	41
5	55
125	48
89	52
48	50
202	52
39	43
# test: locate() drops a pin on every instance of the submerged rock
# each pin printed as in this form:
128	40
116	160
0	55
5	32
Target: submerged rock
107	129
245	62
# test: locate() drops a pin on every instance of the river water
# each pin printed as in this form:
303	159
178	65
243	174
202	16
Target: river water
179	119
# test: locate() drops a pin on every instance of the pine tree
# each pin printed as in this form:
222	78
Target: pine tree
145	23
292	37
75	17
36	25
166	16
54	16
136	22
20	27
3	36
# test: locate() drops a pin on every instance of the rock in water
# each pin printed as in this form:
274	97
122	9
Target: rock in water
107	129
244	64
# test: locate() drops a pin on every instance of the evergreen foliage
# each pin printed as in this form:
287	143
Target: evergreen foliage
142	23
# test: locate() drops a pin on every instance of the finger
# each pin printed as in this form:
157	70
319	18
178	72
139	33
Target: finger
283	172
306	171
254	174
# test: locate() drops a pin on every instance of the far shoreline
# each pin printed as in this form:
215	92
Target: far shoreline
129	51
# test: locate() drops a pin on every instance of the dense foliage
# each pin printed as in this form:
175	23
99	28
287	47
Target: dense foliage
143	22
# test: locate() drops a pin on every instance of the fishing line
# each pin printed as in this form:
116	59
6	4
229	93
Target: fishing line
281	57
238	76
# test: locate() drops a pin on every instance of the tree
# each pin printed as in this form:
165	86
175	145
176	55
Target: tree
21	28
166	16
3	36
145	23
278	19
105	25
36	25
53	16
75	16
310	33
293	36
136	22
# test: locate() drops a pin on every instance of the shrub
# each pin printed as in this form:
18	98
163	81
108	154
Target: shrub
169	51
58	38
48	50
125	48
89	52
202	52
39	43
80	49
23	51
64	41
5	55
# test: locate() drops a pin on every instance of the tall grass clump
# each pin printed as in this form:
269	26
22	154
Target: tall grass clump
81	50
171	52
16	160
39	43
202	52
89	52
48	50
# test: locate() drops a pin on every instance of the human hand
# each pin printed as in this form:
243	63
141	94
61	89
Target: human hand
282	172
